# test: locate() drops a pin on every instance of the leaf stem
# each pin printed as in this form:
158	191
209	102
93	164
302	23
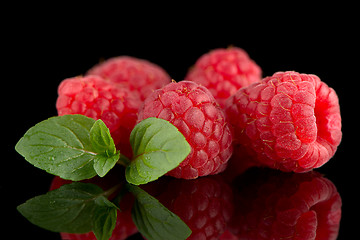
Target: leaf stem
123	160
110	191
119	196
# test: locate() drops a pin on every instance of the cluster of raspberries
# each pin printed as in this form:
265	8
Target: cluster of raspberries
228	114
288	121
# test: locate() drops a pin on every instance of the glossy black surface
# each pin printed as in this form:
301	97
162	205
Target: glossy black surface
42	57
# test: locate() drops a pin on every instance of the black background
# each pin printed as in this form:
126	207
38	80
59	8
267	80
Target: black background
42	51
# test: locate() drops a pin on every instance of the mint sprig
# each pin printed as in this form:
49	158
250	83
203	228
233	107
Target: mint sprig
76	147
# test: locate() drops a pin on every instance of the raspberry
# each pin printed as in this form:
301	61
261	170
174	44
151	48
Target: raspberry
124	225
94	97
204	204
193	110
277	205
135	74
224	71
288	121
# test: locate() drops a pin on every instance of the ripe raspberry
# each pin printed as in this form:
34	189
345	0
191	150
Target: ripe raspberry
274	205
135	74
289	121
124	225
224	71
204	204
194	111
94	97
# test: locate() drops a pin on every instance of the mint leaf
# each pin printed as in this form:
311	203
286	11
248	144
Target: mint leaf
104	145
158	147
155	221
73	147
103	164
73	208
101	139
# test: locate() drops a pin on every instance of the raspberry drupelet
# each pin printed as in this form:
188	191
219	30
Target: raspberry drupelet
224	71
193	110
288	121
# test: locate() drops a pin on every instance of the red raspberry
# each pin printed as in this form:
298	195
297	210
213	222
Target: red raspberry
204	204
135	74
274	205
124	225
289	121
94	97
194	111
224	71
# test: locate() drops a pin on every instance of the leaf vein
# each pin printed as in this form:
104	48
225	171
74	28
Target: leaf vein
153	135
82	206
69	147
82	165
42	153
72	132
145	153
137	144
50	134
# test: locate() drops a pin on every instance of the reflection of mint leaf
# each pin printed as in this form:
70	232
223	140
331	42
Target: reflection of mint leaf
73	208
158	147
73	147
104	219
155	221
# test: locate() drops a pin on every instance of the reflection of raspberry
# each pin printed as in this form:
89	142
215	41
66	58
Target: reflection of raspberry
135	74
224	71
194	111
96	98
290	121
227	235
124	225
274	205
204	204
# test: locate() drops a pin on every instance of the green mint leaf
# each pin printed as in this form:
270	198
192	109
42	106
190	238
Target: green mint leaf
104	145
101	139
73	147
60	146
103	164
158	147
155	221
73	208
